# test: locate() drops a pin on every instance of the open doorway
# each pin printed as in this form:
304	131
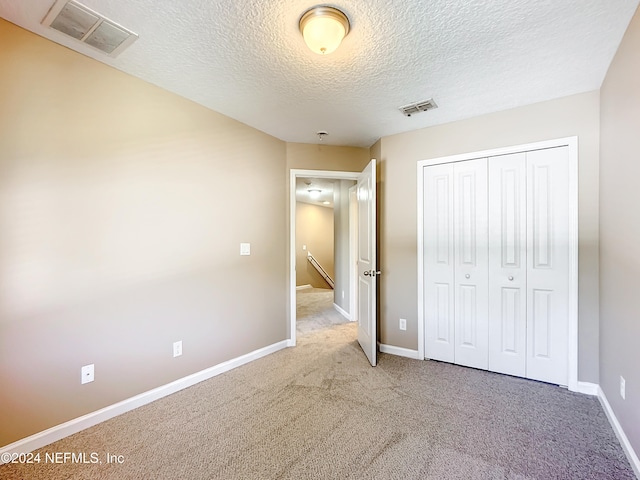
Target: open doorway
322	249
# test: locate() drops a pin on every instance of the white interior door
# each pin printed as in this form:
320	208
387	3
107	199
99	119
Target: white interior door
548	265
471	263
367	269
507	264
438	255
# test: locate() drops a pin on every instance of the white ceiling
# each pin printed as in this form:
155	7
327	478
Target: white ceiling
247	60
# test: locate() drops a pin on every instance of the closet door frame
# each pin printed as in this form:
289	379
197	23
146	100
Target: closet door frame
572	144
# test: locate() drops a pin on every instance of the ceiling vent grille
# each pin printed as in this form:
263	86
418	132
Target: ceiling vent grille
418	107
85	25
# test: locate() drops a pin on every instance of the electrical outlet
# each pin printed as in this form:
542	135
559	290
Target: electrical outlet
245	249
622	387
86	374
403	324
177	348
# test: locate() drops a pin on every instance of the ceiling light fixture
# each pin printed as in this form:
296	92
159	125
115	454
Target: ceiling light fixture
323	28
314	193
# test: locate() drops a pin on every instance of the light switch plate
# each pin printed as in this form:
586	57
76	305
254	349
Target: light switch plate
245	249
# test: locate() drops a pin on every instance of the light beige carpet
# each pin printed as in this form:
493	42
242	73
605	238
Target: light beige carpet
315	310
319	411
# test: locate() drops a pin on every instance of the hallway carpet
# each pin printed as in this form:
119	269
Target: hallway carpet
315	310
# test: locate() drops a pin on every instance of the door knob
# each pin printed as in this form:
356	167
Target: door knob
510	278
371	273
467	276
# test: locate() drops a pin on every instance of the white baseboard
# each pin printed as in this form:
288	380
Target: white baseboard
303	287
617	428
63	430
587	388
342	312
399	351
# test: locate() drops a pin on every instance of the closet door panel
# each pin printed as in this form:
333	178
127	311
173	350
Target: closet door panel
439	262
471	270
547	265
507	264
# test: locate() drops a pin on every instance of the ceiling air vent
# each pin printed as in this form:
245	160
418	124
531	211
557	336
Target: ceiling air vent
85	25
417	107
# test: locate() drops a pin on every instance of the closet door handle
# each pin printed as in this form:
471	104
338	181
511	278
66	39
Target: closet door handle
467	276
510	278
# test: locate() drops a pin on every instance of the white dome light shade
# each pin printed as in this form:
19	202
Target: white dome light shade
314	193
323	29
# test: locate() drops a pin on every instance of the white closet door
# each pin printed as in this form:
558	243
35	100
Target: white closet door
548	264
507	264
439	262
471	268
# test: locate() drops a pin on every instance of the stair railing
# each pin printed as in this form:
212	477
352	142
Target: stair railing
312	260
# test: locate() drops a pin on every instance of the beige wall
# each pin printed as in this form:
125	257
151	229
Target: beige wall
620	233
122	208
399	154
375	150
305	156
314	229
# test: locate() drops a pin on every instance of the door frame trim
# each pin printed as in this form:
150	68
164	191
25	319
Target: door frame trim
293	175
572	144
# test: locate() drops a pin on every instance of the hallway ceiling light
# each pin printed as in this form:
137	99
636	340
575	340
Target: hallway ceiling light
323	28
314	193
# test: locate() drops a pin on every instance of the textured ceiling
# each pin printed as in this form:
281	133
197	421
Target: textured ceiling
247	60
